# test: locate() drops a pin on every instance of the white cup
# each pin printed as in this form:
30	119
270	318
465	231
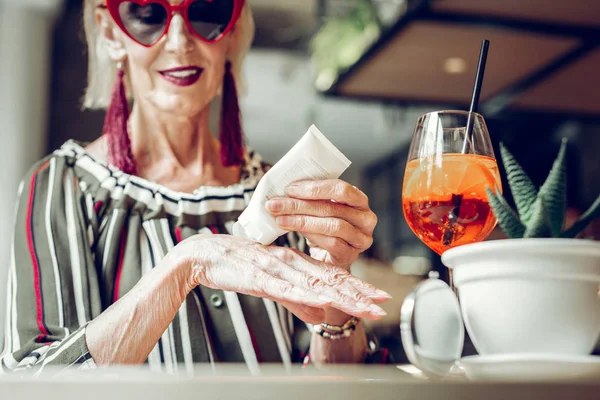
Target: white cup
529	295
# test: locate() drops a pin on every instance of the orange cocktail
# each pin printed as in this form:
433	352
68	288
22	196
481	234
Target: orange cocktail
444	199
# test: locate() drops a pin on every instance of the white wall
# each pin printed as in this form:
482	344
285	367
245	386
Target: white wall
282	103
25	45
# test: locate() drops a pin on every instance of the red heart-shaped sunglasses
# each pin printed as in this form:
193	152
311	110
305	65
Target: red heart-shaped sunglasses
147	21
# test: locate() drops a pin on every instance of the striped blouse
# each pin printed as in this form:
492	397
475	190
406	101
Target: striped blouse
85	234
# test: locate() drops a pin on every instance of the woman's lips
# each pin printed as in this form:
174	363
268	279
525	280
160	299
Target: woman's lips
183	76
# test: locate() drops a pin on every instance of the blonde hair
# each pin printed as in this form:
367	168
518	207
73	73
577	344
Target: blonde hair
102	69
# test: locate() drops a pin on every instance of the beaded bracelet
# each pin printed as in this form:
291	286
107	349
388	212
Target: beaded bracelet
334	332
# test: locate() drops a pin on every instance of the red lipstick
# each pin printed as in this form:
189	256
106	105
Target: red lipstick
182	76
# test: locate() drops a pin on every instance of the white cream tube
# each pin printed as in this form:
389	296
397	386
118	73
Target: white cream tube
314	157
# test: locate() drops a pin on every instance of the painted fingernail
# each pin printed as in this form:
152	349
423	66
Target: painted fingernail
275	205
283	221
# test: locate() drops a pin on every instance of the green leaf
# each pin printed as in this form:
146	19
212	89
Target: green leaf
554	191
539	225
507	218
522	188
591	214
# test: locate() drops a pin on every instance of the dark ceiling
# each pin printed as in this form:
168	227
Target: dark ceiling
544	56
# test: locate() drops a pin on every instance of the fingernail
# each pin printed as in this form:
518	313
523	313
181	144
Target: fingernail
383	294
293	189
275	205
283	221
377	310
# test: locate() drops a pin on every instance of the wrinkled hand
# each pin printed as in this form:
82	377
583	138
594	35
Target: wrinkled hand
302	284
332	215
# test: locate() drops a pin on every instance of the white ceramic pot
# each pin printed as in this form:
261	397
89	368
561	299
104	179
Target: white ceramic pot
529	295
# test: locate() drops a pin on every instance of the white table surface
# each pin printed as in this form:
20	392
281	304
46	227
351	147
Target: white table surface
235	382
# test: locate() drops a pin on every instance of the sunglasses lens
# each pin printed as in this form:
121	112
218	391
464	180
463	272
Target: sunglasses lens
210	18
144	23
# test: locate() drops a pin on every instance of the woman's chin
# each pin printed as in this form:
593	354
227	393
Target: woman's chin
183	106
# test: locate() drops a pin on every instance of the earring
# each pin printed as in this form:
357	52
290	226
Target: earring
115	127
231	135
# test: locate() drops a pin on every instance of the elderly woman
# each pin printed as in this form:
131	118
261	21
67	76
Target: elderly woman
122	252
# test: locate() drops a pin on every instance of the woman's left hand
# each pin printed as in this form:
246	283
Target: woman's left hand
332	215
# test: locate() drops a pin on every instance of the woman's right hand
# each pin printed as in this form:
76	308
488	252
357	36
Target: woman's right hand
300	283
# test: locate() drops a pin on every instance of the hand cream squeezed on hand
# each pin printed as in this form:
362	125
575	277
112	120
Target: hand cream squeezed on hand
314	157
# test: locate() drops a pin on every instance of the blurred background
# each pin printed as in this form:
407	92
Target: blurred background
363	71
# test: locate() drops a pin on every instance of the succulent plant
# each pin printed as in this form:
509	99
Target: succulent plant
540	213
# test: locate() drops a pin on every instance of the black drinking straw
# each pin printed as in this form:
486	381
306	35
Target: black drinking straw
476	92
457	199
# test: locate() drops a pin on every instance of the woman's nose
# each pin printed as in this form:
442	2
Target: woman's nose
178	36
